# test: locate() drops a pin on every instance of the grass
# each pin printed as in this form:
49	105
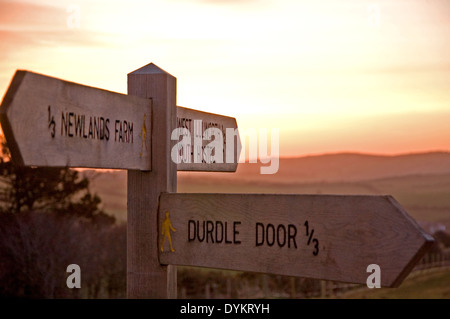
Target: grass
432	284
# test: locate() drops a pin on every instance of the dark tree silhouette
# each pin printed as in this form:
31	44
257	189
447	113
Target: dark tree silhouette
48	220
61	190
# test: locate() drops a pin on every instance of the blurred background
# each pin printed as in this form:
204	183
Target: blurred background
359	91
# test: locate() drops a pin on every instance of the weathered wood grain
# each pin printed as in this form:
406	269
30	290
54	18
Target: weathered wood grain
326	237
146	278
51	122
196	122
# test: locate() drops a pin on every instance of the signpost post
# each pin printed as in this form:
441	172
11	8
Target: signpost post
146	278
51	122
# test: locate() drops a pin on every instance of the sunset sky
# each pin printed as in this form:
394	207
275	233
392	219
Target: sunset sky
332	75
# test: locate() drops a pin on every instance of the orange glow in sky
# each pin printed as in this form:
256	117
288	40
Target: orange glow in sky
348	75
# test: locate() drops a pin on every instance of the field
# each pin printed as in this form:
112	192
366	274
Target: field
420	183
422	191
433	284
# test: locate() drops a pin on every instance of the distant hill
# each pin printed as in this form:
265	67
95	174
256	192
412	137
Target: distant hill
421	182
342	167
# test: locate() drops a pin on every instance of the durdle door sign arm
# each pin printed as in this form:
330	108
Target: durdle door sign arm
331	237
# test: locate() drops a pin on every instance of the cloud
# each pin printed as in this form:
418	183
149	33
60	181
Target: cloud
25	16
28	26
238	4
232	2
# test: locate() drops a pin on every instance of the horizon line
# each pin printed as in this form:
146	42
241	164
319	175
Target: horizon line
411	153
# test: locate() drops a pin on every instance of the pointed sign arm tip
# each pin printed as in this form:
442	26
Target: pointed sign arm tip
8	98
427	243
12	90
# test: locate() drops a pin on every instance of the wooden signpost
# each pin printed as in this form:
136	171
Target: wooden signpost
50	122
330	237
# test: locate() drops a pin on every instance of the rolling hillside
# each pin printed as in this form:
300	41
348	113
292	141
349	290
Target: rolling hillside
343	167
420	182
